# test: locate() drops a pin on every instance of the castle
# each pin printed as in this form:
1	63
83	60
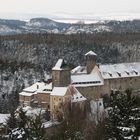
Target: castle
81	83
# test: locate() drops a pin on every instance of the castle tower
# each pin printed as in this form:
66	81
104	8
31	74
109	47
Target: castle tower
60	74
90	61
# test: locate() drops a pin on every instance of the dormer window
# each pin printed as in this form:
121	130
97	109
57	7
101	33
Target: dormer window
119	74
127	72
135	72
110	74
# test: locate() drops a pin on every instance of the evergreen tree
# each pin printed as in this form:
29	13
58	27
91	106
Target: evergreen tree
26	127
121	122
12	121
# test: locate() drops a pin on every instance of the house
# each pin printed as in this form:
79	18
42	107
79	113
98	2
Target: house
90	82
37	95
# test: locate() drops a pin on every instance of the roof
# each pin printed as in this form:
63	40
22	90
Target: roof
26	94
79	70
59	91
76	95
121	70
34	87
91	53
58	65
47	88
86	80
39	87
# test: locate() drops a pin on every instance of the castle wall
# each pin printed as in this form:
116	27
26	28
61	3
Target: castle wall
25	100
43	100
95	92
122	84
92	92
55	78
57	104
60	78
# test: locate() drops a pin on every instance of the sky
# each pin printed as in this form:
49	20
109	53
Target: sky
66	8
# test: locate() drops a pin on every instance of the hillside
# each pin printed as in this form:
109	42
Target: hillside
25	59
45	25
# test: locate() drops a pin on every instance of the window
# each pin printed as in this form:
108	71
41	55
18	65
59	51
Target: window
91	82
100	104
48	106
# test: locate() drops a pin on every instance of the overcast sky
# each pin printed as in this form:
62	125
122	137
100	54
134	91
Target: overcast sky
73	7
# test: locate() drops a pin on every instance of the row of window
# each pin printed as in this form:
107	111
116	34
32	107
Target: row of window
91	82
47	90
59	99
119	74
78	97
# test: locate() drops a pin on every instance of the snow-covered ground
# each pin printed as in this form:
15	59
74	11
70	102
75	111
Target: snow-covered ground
3	118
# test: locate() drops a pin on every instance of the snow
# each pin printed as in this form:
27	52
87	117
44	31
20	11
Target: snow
18	132
97	109
86	80
34	87
120	70
47	88
59	91
58	65
26	94
127	129
50	124
38	87
79	70
3	118
76	95
91	53
32	111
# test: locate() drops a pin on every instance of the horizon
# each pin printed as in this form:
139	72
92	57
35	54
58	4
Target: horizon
72	18
74	9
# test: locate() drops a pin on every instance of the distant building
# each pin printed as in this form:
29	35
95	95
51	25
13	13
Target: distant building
83	82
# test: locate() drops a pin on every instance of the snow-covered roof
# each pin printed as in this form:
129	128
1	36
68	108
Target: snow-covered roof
121	70
39	87
58	65
59	91
86	80
76	95
91	53
3	118
34	87
79	70
47	88
26	93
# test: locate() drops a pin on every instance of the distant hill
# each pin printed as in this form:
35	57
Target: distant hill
45	25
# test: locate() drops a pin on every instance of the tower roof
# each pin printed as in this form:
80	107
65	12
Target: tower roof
91	53
60	65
